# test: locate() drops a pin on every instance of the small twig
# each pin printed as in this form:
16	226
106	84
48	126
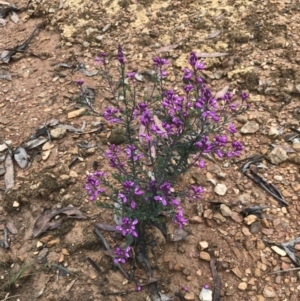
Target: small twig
95	266
6	298
284	271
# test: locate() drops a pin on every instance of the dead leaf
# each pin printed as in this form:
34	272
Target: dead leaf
222	92
166	48
61	4
9	174
11	227
158	123
214	34
35	143
14	17
211	55
69	286
20	156
44	223
5	57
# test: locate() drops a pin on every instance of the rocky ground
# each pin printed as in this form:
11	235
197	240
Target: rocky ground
246	45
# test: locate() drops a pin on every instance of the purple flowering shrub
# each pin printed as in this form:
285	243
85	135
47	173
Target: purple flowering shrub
167	133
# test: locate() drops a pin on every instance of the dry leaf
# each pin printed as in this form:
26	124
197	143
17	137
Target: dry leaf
14	17
211	55
20	156
11	227
222	92
9	174
44	223
166	48
214	34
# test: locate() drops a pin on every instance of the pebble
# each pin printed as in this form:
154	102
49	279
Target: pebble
250	219
278	178
245	198
76	113
220	189
242	286
278	250
189	296
277	155
204	256
255	227
273	132
203	245
225	210
269	292
58	133
250	127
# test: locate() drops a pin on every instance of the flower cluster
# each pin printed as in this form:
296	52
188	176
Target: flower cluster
165	139
92	184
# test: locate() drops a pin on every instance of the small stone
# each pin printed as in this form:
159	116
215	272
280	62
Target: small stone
189	296
65	251
220	189
246	231
269	292
117	136
58	133
178	267
236	217
255	227
296	186
61	258
48	145
245	198
225	210
296	146
260	298
76	113
277	155
278	178
46	154
16	204
237	272
53	242
39	244
260	245
273	132
73	174
204	256
242	286
250	219
86	44
203	245
219	218
205	294
297	247
278	250
250	127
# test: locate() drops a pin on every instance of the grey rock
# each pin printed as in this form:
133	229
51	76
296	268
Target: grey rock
220	189
225	210
250	127
245	198
277	155
269	292
58	133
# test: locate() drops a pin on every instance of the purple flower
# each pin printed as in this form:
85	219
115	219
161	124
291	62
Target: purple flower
92	185
179	219
128	185
131	152
193	59
113	155
159	62
98	60
244	96
185	288
138	288
163	74
161	199
166	188
121	255
199	66
138	191
201	164
206	286
121	58
109	115
188	88
231	128
79	82
131	75
187	74
122	197
196	192
132	205
237	147
128	227
146	118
